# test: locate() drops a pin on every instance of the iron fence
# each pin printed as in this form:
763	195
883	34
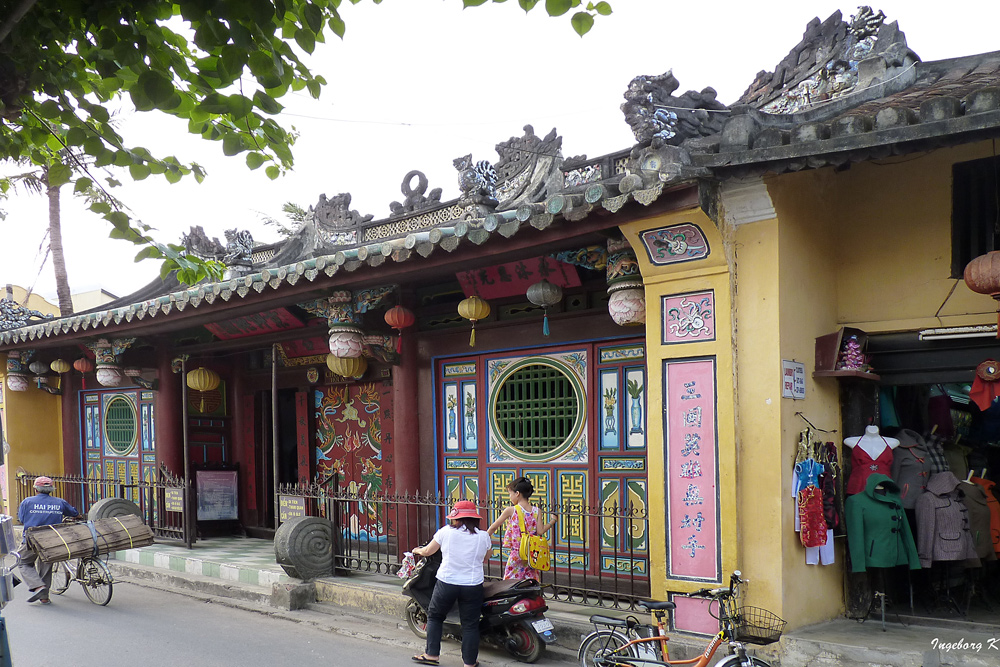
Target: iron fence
600	555
160	501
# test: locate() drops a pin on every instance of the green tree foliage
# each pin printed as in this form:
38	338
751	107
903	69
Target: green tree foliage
220	65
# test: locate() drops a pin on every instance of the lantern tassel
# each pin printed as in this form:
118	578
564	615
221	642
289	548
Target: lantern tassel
545	323
472	337
201	408
399	343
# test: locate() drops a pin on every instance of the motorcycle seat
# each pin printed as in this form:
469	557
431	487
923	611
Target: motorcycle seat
656	606
496	588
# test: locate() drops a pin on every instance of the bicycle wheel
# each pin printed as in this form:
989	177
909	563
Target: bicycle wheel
62	577
597	645
97	581
734	661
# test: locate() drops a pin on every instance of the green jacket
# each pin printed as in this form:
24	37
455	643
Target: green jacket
878	534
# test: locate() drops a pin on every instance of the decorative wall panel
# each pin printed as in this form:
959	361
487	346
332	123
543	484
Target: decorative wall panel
691	454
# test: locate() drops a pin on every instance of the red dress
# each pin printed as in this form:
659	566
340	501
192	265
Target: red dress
863	466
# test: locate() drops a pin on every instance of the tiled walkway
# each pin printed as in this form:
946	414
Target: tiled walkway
238	559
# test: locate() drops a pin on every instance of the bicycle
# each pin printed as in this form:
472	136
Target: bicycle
92	573
630	643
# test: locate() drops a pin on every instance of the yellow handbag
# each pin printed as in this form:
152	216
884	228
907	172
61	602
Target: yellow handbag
533	549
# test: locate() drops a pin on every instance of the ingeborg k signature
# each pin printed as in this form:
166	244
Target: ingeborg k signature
991	644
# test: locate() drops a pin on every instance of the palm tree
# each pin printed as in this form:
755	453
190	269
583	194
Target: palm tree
37	181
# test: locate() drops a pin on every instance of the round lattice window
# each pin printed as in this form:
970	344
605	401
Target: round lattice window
119	425
537	413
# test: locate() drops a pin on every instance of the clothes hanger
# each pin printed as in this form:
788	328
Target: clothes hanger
968	479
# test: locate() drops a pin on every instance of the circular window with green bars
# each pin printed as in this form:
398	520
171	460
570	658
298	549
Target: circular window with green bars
120	425
537	409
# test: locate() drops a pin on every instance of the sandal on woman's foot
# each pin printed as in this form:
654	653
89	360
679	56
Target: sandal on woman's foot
424	660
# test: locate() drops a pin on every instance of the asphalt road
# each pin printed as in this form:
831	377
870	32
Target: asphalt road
152	628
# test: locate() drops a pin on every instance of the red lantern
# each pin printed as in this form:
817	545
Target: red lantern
84	365
982	275
399	318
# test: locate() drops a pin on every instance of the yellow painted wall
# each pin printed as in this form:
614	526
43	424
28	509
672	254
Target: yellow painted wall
32	422
888	226
710	273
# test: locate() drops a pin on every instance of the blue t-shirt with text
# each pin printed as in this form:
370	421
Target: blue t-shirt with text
43	510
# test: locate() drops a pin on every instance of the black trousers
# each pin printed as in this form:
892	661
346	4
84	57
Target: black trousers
470	609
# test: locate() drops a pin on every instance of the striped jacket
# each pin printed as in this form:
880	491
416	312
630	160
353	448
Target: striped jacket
943	523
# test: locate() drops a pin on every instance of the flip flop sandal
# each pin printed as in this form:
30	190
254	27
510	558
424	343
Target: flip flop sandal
424	660
45	601
38	595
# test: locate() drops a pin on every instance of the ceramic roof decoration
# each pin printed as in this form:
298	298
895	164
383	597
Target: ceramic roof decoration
847	92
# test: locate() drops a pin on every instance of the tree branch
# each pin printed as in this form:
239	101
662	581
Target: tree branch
8	26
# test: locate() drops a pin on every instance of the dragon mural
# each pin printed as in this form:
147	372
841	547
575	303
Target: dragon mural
353	441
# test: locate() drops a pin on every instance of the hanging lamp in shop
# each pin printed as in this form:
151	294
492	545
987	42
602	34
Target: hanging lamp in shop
982	275
473	309
347	367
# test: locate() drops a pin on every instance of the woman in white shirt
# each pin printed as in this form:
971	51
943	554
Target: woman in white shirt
464	548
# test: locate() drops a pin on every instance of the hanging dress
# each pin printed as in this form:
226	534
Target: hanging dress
813	529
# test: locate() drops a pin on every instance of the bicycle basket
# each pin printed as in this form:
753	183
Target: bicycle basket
754	625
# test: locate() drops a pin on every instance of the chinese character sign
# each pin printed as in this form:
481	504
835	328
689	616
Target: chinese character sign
692	470
514	278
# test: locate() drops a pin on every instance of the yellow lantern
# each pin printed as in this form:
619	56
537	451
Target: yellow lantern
60	366
473	309
348	367
203	379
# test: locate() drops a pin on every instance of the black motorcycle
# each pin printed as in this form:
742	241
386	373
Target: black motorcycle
513	611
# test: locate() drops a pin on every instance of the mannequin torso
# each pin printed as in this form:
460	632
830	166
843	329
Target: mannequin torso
872	442
870	453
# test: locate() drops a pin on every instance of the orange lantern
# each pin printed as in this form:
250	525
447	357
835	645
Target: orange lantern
473	309
399	318
83	364
982	275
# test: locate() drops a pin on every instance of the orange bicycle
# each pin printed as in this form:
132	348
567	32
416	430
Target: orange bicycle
630	643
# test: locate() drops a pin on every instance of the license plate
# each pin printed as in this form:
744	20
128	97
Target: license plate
544	625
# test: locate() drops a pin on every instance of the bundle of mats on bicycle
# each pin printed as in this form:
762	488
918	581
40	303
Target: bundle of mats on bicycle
66	541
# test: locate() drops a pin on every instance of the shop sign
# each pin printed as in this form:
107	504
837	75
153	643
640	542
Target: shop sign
793	379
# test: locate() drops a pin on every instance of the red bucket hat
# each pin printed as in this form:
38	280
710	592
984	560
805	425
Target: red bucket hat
464	509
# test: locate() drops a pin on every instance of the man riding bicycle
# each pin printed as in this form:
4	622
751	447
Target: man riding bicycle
42	509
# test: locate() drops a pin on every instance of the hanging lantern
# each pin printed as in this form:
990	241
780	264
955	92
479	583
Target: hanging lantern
348	367
473	309
38	367
84	365
399	318
201	380
545	294
982	275
346	341
60	366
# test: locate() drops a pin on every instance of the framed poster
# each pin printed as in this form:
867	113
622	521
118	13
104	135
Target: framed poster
217	495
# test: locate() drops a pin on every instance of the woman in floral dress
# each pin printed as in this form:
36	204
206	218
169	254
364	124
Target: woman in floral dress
520	491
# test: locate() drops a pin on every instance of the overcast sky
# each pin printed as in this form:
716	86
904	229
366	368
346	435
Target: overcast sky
417	83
